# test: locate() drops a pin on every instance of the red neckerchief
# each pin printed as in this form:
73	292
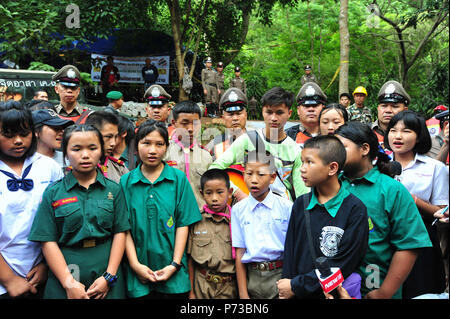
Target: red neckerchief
209	211
186	151
104	167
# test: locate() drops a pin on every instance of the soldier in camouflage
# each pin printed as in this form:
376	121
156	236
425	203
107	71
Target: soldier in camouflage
358	111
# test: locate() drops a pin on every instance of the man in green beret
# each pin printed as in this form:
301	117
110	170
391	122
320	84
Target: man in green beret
115	99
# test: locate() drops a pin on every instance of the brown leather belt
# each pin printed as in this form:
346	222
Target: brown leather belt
216	278
267	265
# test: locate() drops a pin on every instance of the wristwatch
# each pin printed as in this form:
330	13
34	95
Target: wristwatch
110	279
177	266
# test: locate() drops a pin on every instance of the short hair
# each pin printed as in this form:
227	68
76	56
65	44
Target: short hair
149	126
101	118
68	132
126	125
186	107
263	157
15	119
335	106
330	149
416	123
276	96
36	93
214	174
345	94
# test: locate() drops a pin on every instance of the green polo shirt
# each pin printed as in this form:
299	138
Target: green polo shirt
156	211
394	224
332	206
70	213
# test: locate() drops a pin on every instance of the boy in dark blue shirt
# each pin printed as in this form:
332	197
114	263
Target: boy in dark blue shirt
339	222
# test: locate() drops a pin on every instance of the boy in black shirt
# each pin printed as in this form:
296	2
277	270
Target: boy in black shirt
339	222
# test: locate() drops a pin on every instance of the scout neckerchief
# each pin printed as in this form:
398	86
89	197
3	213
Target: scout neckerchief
104	168
186	151
14	183
209	211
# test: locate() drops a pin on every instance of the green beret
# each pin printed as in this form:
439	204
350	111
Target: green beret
114	95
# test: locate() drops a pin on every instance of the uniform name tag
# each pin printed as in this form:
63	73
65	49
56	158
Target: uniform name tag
171	163
64	201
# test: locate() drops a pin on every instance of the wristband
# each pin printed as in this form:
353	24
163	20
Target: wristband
177	266
110	279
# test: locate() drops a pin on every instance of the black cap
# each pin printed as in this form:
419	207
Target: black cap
307	67
237	69
220	64
49	117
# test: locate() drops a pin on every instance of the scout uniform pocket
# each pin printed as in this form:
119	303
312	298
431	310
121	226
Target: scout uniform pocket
69	218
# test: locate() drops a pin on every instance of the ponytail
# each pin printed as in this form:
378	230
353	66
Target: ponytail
360	133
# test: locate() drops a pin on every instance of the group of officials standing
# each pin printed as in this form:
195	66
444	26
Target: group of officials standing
213	83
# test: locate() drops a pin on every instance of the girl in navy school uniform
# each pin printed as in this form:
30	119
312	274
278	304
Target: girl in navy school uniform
427	180
24	175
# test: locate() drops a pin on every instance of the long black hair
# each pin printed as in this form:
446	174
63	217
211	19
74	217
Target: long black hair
15	120
360	133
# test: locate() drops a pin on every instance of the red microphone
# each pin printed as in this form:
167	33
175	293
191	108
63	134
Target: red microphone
329	278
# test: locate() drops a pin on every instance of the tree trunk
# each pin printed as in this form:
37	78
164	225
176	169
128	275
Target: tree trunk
344	47
174	8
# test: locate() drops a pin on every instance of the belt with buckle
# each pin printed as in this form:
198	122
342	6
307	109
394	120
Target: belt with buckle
267	265
216	278
90	242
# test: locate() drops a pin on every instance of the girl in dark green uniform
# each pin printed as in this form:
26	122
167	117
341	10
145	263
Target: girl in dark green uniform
81	222
396	230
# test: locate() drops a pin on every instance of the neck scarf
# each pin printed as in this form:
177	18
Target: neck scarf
14	184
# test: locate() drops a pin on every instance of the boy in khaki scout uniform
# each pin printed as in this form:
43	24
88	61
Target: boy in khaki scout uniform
210	88
184	152
108	125
211	263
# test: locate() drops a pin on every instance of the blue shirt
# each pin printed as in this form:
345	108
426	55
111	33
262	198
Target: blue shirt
260	227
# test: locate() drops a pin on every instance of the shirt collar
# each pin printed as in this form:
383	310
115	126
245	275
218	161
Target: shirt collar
371	176
27	162
332	206
137	176
70	181
268	201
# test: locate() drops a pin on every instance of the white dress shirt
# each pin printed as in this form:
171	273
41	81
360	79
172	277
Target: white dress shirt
260	227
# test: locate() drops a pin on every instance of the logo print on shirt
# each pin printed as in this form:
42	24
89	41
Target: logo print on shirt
330	239
170	223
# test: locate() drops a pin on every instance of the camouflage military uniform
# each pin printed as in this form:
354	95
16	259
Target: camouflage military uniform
362	115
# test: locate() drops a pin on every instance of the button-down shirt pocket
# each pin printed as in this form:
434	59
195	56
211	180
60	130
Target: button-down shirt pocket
225	244
69	218
201	249
105	214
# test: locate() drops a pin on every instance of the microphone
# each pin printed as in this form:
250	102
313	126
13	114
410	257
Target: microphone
329	278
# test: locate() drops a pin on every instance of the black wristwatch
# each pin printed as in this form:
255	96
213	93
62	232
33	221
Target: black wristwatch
177	266
110	279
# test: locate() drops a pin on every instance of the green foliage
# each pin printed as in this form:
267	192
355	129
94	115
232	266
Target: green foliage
35	65
309	34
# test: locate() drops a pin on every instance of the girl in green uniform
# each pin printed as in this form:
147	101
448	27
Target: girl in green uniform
162	205
81	223
396	230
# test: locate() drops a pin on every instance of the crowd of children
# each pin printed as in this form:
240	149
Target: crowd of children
124	212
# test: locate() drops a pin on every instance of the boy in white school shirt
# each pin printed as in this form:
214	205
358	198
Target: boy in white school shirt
258	226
